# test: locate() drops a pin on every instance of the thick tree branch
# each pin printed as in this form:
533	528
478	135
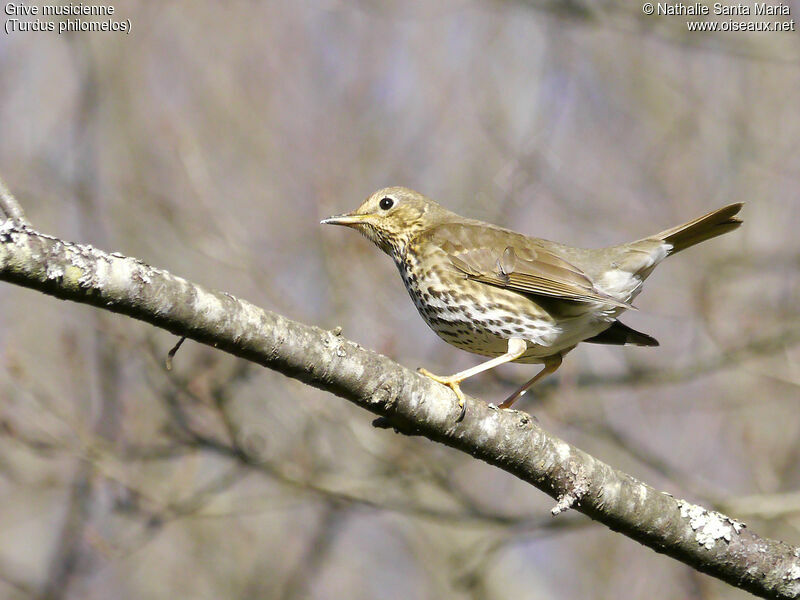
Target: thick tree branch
511	440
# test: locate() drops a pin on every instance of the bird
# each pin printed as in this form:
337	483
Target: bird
501	294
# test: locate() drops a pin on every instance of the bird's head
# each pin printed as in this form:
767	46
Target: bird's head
391	217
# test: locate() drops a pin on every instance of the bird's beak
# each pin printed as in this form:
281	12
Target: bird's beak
348	219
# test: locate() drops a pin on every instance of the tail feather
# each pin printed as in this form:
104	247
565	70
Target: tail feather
703	228
620	334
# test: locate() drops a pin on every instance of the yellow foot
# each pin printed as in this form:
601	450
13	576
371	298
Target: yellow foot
453	384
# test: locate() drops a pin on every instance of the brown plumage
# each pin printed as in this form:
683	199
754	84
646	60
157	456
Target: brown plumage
502	294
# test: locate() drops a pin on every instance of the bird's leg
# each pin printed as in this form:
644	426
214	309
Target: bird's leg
516	348
551	364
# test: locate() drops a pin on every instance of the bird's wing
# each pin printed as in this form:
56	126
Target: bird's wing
529	270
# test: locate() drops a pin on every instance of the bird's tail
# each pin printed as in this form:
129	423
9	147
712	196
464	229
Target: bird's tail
701	229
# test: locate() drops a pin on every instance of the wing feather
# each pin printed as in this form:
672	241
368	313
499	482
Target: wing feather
534	271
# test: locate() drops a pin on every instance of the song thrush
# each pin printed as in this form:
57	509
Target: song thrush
498	293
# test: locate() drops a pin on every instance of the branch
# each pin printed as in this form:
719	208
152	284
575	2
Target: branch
706	540
9	207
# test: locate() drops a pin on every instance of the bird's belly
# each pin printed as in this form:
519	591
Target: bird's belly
480	319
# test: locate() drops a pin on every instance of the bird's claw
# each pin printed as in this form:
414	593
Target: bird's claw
462	404
453	384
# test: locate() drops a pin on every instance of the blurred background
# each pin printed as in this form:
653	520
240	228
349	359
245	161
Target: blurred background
211	141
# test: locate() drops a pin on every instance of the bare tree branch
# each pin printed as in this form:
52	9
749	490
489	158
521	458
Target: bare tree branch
9	207
706	540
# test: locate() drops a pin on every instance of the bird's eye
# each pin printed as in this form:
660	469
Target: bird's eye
386	203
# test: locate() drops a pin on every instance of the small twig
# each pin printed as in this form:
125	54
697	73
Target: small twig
171	353
9	207
396	425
